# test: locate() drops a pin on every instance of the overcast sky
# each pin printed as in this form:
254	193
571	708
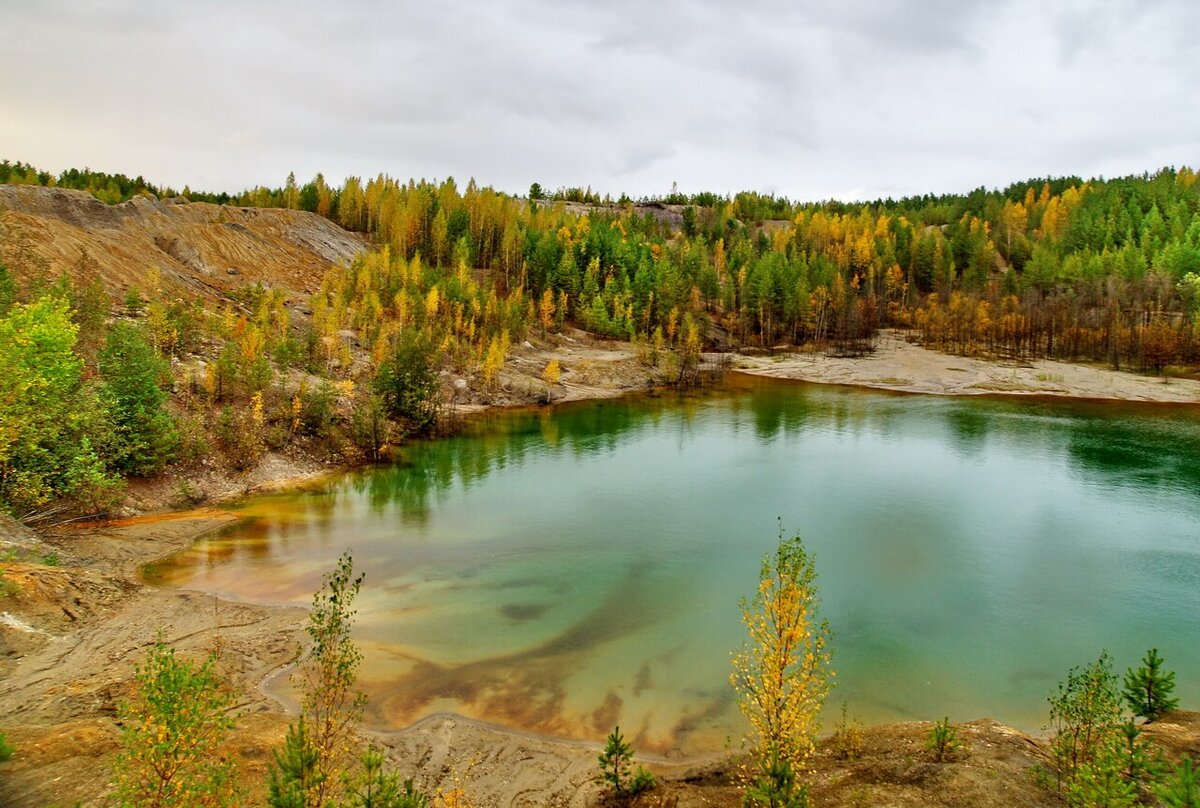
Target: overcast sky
846	99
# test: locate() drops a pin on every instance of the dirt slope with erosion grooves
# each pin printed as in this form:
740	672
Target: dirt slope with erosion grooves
199	248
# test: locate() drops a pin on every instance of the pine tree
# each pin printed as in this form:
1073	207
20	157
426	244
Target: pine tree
1181	788
294	772
1148	689
614	761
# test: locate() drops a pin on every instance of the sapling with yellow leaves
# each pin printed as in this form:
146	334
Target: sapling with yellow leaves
782	675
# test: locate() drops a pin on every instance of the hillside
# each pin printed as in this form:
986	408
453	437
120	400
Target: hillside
198	248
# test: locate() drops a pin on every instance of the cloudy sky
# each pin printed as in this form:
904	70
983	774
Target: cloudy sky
854	98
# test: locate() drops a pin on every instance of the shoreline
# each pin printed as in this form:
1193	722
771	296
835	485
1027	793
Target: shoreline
899	366
64	675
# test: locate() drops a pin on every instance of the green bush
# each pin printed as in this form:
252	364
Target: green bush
171	736
1085	719
53	428
774	786
376	787
240	437
407	383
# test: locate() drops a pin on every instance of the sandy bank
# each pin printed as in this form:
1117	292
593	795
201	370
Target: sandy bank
902	366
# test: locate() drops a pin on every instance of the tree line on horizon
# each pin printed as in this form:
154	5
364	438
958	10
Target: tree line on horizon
1100	270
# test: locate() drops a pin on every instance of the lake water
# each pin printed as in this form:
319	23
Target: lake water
566	570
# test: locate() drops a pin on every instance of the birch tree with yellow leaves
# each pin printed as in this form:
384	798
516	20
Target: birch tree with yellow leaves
782	675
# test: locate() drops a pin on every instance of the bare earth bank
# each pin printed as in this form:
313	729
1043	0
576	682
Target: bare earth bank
71	633
899	365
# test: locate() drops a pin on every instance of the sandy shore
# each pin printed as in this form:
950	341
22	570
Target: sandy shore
899	365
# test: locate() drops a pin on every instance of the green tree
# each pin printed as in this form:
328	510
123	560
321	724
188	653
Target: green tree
172	733
407	382
775	786
6	750
46	413
145	435
783	675
1148	689
942	740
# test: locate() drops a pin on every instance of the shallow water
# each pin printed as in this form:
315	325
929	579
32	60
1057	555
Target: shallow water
562	571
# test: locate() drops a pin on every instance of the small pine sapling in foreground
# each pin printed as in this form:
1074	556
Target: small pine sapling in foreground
293	771
847	738
943	741
1099	786
1181	786
172	731
642	780
1138	762
775	786
1148	689
376	787
615	761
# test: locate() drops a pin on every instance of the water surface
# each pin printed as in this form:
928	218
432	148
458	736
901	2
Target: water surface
565	570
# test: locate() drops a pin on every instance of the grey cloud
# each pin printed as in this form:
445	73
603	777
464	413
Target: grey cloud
861	97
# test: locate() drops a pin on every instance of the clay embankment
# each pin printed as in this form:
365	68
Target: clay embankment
198	248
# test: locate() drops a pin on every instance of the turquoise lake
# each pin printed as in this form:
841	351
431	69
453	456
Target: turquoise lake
565	570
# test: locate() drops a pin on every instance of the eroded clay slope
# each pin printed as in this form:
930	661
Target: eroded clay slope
197	247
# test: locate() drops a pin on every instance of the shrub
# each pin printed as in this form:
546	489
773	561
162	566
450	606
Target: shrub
172	729
775	786
1085	718
847	738
1148	689
6	750
240	437
293	773
407	383
376	787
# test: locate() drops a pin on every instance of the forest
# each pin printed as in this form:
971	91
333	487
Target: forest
1103	270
